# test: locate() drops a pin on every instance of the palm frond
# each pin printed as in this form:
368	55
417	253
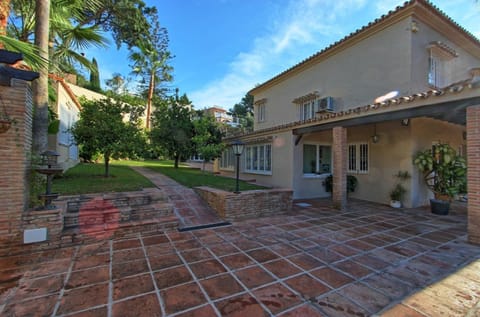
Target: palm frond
30	52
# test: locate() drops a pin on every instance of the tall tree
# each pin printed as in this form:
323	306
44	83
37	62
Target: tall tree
40	86
101	128
172	127
243	111
150	59
95	76
207	138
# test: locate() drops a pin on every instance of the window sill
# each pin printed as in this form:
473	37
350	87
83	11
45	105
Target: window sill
258	172
311	175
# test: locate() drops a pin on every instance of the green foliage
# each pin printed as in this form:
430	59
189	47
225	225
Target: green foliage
172	127
101	128
88	178
398	192
352	183
95	77
444	171
243	111
208	138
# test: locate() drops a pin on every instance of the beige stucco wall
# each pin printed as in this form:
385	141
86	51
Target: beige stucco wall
458	67
354	76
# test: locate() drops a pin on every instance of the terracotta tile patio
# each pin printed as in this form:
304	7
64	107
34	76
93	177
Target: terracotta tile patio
315	261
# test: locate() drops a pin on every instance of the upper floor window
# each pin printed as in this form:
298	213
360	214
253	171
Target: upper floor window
307	110
440	55
261	112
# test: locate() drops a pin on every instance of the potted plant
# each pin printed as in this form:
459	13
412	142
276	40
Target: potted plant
398	192
351	183
444	173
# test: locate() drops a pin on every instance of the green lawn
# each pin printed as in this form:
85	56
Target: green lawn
191	177
88	178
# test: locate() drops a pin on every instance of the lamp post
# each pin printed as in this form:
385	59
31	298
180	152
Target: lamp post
237	147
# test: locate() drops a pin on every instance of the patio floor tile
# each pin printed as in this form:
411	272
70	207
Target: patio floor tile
164	261
262	255
143	306
402	311
222	249
204	311
87	277
364	296
332	277
132	286
241	306
305	261
39	287
303	311
41	306
221	286
282	268
207	268
254	276
129	268
92	261
307	286
354	269
182	297
173	276
371	262
276	297
128	255
83	298
126	244
388	285
337	305
96	312
236	261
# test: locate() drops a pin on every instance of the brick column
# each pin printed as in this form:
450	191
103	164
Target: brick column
473	173
15	147
339	191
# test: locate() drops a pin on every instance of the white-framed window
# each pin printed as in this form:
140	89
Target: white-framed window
440	56
317	159
358	158
261	112
258	158
308	109
227	160
436	77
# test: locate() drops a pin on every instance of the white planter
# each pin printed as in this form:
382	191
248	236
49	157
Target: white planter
395	204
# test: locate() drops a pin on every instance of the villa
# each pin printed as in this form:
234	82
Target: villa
364	106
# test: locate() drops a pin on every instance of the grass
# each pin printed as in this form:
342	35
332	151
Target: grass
191	177
88	178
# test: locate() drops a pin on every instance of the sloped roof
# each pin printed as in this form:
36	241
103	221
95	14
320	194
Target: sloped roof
399	10
7	71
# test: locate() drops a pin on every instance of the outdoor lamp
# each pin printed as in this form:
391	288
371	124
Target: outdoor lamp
375	137
237	147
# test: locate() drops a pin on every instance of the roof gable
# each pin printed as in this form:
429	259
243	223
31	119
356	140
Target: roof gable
420	9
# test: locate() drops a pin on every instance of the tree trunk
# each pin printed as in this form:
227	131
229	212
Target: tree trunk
177	158
40	86
4	13
151	89
106	159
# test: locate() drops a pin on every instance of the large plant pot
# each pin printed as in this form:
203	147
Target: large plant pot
395	204
439	207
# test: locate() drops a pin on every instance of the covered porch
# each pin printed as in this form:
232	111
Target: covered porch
442	106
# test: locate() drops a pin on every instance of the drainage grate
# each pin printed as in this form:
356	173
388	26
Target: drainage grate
210	225
303	204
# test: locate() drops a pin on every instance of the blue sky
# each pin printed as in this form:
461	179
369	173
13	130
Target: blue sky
223	48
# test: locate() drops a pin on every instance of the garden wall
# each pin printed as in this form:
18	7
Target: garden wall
247	204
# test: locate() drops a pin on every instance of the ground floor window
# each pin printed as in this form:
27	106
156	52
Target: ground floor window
227	160
317	159
358	158
258	158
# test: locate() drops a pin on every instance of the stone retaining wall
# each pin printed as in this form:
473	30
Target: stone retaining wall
247	204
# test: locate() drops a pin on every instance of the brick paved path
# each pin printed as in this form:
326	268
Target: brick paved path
315	261
190	209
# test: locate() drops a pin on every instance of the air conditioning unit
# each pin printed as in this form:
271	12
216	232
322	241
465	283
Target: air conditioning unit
326	104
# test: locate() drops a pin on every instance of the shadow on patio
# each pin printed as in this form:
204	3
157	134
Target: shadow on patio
314	261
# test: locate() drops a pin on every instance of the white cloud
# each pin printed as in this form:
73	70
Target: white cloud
297	32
